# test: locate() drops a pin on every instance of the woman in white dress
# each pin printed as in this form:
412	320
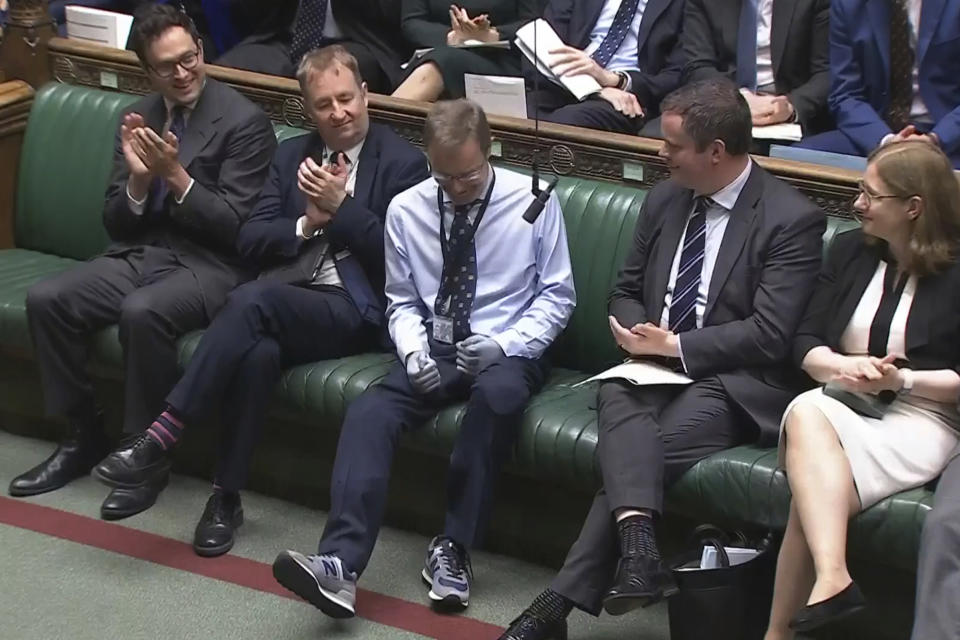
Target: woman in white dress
882	332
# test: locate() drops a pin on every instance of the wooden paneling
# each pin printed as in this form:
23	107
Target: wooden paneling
563	150
23	51
16	97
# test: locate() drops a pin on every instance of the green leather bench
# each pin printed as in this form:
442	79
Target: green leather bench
63	172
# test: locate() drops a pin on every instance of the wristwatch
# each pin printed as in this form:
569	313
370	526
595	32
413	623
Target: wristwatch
907	387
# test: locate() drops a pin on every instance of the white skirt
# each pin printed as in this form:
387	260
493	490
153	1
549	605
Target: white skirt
907	448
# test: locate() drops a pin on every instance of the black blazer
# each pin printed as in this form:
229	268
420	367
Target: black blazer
763	277
933	326
388	165
425	23
226	149
799	48
376	25
659	53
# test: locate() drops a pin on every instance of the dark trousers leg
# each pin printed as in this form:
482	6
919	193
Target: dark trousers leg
938	575
361	471
253	54
551	105
153	299
486	438
688	426
263	328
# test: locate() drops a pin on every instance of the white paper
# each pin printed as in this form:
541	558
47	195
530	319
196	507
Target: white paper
785	131
497	95
709	559
467	44
641	373
96	25
580	85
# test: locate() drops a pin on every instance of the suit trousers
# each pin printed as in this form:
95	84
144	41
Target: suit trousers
373	425
837	141
153	299
648	437
264	328
938	575
553	104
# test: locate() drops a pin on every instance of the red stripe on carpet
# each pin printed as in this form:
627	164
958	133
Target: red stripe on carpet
244	572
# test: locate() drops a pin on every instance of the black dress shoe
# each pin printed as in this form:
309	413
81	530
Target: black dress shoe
73	458
834	608
528	627
640	582
123	503
214	534
134	464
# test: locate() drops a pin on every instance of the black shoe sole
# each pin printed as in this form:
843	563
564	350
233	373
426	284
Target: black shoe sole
300	581
620	604
213	552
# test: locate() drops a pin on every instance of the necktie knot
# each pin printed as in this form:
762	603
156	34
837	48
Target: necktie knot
702	203
333	157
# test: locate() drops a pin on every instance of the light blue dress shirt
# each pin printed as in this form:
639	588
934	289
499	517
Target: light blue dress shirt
625	58
718	215
524	295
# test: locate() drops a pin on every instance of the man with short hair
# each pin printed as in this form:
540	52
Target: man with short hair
723	261
317	234
190	160
476	295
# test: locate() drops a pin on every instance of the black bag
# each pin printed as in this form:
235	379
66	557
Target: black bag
727	603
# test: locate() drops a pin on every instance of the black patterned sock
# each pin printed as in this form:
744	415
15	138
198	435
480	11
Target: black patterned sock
550	606
637	537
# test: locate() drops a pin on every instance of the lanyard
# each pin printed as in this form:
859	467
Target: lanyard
455	261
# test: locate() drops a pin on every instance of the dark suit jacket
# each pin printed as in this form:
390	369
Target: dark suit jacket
860	61
226	149
659	53
799	48
933	327
388	165
376	25
764	274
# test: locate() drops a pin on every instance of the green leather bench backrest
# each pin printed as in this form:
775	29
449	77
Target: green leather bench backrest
64	168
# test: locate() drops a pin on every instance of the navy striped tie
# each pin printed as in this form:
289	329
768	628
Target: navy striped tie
617	33
683	305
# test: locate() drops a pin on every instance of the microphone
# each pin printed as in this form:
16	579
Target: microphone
536	207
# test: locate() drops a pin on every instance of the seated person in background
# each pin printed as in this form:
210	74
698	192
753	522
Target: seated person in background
777	51
317	233
884	321
367	29
476	295
895	69
723	261
436	23
248	34
631	48
189	164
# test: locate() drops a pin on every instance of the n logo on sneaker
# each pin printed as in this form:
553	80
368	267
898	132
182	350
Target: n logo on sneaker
455	584
329	567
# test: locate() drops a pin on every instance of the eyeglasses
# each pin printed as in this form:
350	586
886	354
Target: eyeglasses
870	198
471	176
167	69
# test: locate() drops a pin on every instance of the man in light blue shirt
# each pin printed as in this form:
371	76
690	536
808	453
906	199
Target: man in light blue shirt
475	296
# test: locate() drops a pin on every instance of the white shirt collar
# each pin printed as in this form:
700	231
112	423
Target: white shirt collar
727	197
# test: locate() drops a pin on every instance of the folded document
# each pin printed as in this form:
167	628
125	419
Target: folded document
540	31
641	372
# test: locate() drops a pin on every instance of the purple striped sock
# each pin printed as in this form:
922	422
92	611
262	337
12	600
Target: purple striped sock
166	430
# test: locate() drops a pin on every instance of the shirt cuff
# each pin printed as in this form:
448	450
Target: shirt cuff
186	192
136	206
410	344
300	234
680	349
511	344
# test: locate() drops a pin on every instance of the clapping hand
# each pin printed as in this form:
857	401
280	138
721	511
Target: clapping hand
133	152
463	27
326	186
160	154
867	374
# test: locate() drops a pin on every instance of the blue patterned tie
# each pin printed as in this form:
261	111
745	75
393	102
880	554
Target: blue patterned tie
159	188
308	28
683	315
747	46
459	280
616	34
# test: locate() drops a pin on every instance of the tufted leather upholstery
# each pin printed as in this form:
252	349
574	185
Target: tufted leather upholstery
63	173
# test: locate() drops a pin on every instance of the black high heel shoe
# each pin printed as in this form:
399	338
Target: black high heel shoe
814	616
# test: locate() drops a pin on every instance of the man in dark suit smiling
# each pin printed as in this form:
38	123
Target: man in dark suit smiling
190	161
723	261
317	233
